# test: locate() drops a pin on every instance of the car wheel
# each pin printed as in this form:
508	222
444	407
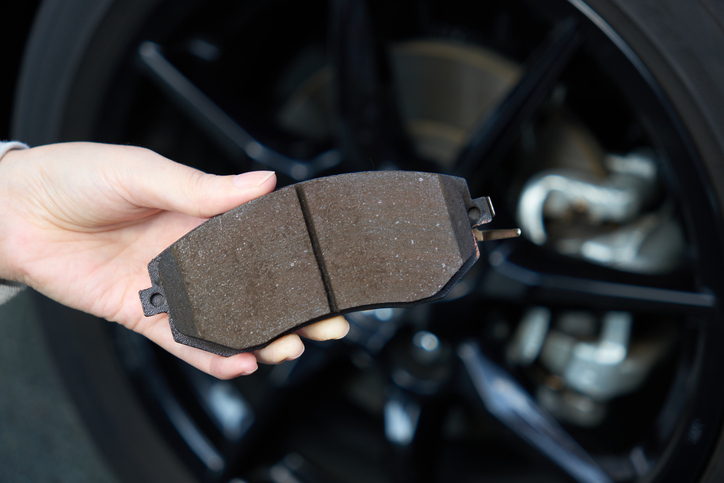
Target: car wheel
584	351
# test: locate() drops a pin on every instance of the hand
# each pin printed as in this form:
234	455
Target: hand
79	222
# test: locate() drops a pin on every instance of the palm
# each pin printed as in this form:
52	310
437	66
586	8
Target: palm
102	272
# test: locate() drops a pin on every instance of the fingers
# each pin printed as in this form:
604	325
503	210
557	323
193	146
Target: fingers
286	348
290	346
137	176
161	183
334	328
218	366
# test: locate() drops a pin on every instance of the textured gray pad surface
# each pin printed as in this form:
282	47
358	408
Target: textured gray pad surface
316	249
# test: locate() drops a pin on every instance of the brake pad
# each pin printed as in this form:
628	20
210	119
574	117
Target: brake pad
313	250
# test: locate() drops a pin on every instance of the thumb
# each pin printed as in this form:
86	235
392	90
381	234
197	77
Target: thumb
170	186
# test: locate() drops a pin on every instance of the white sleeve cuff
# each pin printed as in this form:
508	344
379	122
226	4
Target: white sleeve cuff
6	146
9	289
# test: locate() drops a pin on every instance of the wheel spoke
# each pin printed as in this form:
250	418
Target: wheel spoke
496	131
371	127
509	280
222	128
412	427
510	404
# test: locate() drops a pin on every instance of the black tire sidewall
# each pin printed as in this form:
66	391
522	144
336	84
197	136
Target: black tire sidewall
682	45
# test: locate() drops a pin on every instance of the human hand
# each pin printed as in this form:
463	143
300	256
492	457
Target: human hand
79	222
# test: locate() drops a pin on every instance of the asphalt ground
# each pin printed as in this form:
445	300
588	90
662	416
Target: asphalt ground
42	438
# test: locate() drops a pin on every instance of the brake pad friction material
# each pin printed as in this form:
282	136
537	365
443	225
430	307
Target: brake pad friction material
313	250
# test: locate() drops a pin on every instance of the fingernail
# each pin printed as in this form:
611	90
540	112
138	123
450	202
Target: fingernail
293	358
252	371
252	179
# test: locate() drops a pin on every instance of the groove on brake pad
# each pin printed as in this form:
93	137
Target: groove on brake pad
313	250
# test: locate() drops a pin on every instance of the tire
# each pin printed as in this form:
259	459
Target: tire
80	81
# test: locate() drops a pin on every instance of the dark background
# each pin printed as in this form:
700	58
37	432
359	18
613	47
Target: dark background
17	18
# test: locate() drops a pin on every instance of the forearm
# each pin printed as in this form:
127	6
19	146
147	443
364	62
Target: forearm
9	289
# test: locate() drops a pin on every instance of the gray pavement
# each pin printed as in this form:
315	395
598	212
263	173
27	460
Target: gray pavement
42	438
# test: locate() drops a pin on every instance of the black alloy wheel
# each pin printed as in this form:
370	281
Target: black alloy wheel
586	351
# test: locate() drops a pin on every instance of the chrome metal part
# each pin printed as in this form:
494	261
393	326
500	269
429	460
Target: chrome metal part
597	369
607	367
558	192
587	362
651	244
604	219
530	336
